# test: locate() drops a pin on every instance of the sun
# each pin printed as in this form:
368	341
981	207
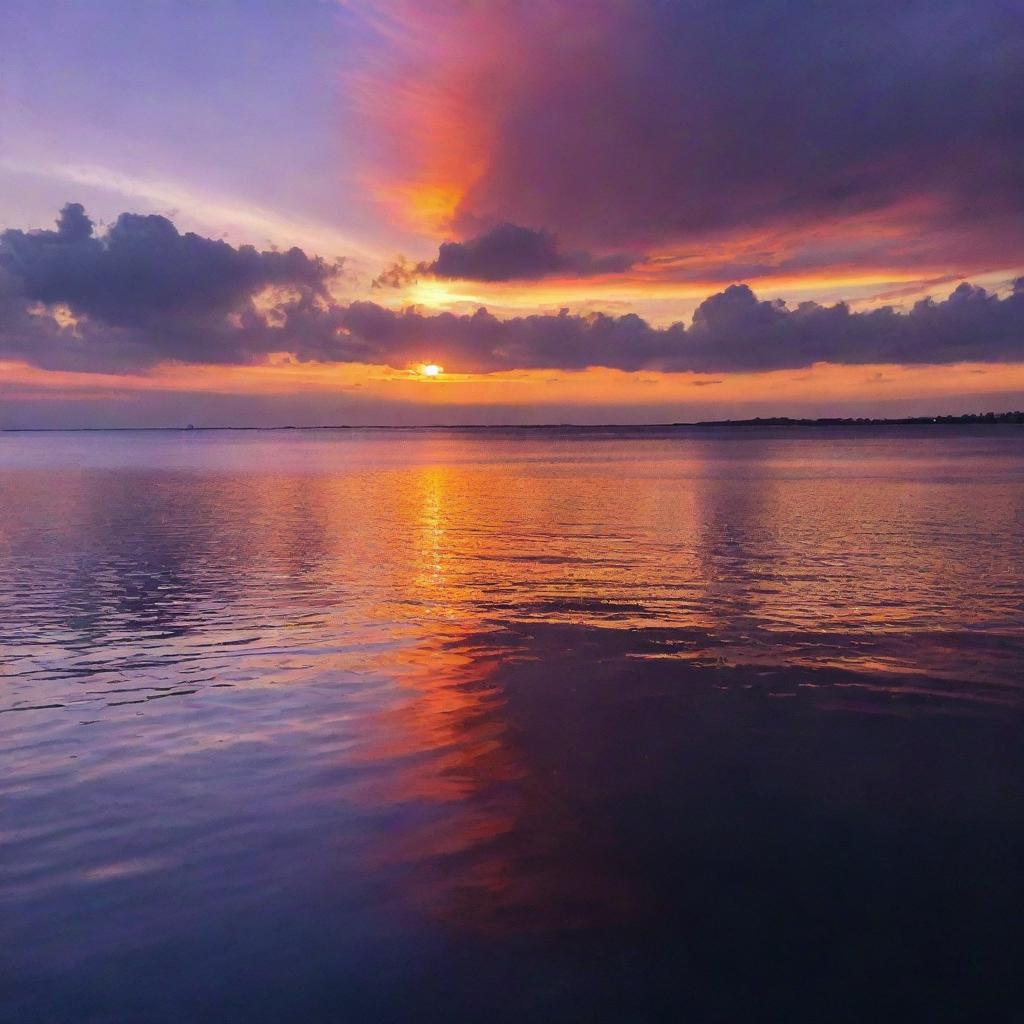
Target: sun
431	370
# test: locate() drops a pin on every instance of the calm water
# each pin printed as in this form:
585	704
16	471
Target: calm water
535	725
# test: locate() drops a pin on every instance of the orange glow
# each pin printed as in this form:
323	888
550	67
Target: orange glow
610	293
431	114
429	205
665	287
690	395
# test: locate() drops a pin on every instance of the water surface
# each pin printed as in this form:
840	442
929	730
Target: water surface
525	725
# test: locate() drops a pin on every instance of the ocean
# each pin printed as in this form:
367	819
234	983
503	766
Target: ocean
547	724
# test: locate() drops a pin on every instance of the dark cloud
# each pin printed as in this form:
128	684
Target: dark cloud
512	253
507	252
399	274
143	294
653	123
144	268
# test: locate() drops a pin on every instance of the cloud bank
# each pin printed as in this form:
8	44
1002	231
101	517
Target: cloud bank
142	294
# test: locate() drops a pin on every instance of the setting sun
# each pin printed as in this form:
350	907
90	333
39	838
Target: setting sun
431	370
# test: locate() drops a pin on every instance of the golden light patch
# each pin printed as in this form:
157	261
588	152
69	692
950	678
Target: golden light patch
432	205
58	312
433	294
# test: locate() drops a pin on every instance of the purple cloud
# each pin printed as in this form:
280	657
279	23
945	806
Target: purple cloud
143	294
507	252
645	125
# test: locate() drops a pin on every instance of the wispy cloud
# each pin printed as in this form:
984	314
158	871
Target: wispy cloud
217	214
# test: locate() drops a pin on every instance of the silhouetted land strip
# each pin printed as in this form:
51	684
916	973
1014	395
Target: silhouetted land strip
839	421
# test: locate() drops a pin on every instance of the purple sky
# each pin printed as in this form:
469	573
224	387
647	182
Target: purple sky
672	189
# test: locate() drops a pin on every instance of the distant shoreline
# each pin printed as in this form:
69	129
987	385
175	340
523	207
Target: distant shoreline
967	419
864	421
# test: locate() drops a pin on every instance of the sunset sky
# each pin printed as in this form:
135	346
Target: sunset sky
580	210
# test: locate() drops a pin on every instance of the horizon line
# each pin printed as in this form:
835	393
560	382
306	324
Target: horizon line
1012	417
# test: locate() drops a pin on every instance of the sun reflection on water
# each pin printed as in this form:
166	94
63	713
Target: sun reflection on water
501	684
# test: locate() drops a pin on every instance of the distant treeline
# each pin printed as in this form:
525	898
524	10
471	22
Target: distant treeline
850	421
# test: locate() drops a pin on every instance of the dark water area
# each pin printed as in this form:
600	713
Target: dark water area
547	725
